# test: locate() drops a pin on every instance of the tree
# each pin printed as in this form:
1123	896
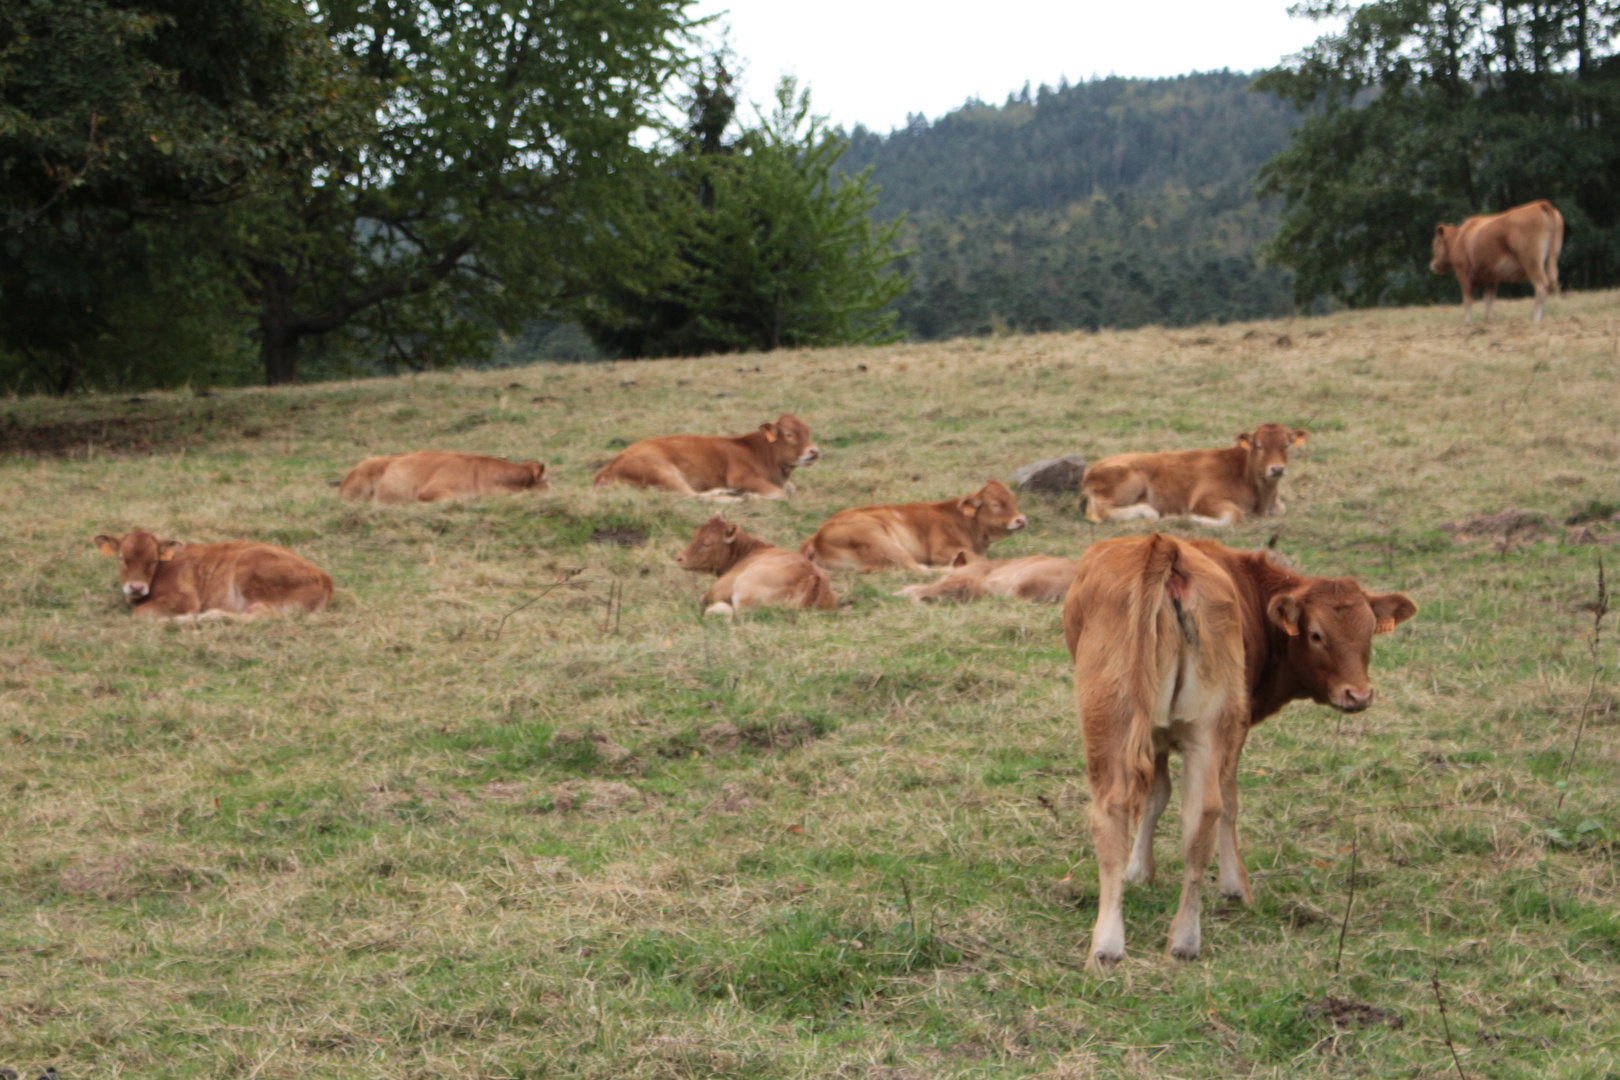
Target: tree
753	244
1423	111
504	129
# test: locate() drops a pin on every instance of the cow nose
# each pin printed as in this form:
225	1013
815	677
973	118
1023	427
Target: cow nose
136	588
1276	470
812	454
1017	523
1356	700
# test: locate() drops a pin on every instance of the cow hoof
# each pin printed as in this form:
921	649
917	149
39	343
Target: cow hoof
1103	960
1245	895
722	609
1184	952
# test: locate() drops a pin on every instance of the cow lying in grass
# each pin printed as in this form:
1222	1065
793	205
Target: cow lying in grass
1184	645
752	573
916	536
436	475
1040	579
171	580
718	466
1214	487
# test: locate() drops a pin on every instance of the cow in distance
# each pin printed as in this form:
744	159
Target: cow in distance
916	536
1213	487
721	467
439	475
167	579
1039	579
751	572
1516	245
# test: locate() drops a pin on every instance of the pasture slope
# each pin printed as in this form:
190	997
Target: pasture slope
462	826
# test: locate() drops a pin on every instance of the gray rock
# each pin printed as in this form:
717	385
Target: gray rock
1054	476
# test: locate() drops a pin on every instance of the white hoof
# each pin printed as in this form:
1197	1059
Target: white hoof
722	609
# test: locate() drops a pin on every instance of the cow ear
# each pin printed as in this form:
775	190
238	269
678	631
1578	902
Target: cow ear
1391	609
1244	441
107	545
538	468
1300	435
731	534
770	432
1440	231
1285	610
168	549
960	560
968	505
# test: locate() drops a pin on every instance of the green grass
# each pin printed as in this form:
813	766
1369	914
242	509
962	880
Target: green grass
470	823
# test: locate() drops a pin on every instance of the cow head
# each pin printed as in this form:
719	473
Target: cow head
1268	447
1443	236
711	547
994	509
138	554
790	442
1330	623
537	475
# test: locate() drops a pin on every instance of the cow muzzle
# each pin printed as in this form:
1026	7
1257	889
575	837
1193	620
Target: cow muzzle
1352	700
136	590
809	456
1275	471
1017	523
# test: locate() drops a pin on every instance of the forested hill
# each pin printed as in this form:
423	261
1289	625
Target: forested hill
1115	202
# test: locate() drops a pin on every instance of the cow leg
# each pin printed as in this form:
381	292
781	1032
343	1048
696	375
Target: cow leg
1109	834
1468	297
1131	513
1141	868
1234	876
1201	758
1216	512
1490	299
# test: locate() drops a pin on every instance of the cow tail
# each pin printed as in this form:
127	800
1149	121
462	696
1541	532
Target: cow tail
1144	663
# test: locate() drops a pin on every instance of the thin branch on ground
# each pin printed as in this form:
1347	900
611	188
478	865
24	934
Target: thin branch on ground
1600	609
566	577
1445	1024
1349	901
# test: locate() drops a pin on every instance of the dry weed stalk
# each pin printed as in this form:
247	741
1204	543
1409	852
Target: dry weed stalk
1349	901
1599	609
1445	1024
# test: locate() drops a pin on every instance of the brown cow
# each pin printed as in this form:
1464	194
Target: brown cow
170	580
436	475
915	536
1213	487
1517	244
718	466
1184	645
1040	579
752	573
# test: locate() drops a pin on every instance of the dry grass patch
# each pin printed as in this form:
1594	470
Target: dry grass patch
512	808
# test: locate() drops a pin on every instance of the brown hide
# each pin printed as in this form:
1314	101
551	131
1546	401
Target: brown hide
1521	244
436	475
751	572
758	463
1039	579
169	579
915	536
1214	487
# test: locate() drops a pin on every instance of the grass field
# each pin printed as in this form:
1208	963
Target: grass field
472	822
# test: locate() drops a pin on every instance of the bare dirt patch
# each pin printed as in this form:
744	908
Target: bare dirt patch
1504	531
1345	1013
108	435
628	538
597	797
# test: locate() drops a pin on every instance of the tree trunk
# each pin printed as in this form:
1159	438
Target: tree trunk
278	341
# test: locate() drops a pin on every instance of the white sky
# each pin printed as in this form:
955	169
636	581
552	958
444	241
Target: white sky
874	61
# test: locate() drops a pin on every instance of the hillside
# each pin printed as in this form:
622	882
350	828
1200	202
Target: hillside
476	822
1115	202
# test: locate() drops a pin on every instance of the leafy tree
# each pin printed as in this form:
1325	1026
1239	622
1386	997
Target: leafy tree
755	244
1423	111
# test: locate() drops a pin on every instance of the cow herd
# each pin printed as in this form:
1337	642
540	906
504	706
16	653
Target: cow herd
1178	645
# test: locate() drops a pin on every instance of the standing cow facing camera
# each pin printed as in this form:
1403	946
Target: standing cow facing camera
166	579
1184	645
718	466
1213	487
752	573
1521	244
916	536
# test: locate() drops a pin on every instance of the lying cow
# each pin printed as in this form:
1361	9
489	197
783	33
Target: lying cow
718	466
1040	579
752	573
1184	645
1515	245
435	475
1213	487
916	536
171	580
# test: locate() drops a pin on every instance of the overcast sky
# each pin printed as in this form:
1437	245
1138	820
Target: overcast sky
874	61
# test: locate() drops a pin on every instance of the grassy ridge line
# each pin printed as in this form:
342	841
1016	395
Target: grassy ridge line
351	845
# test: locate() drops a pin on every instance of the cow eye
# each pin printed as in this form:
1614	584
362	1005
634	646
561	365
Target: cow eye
1316	637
